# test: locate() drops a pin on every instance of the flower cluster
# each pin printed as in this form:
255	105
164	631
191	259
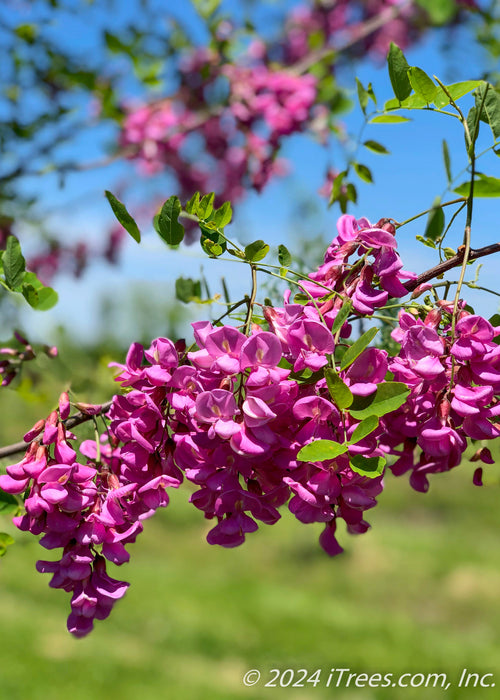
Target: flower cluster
359	28
230	416
453	371
242	415
84	509
242	110
234	421
375	274
241	137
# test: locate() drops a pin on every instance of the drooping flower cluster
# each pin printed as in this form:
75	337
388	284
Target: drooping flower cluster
242	110
84	509
454	377
232	416
236	414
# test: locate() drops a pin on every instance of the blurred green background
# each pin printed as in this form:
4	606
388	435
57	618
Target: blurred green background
420	592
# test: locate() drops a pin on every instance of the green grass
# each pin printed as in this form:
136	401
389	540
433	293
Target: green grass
420	592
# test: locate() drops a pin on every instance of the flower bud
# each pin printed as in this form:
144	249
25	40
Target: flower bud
35	430
386	225
64	406
433	318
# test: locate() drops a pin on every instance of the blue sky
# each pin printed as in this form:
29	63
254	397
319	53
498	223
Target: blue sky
406	182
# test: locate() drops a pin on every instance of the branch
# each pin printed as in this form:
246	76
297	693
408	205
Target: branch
455	261
71	422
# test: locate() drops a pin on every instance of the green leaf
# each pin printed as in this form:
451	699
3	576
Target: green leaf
212	248
376	147
447	161
435	221
351	192
439	11
367	426
484	186
456	90
340	393
8	503
426	241
473	124
337	187
5	541
411	102
449	253
367	466
363	172
30	294
223	215
125	219
14	264
362	95
341	316
206	8
321	450
45	297
389	119
422	84
284	256
357	348
398	72
371	94
169	228
206	206
256	251
236	253
27	32
193	204
187	289
388	397
492	107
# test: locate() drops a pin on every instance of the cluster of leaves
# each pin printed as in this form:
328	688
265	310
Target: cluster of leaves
15	278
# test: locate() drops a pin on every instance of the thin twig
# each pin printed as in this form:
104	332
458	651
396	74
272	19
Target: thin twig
70	423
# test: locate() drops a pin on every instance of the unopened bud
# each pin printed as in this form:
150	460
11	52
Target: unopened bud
64	406
386	225
20	338
35	431
50	351
433	318
8	378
